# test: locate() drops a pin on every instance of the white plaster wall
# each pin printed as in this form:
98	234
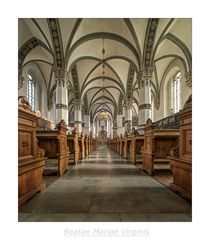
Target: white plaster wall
185	92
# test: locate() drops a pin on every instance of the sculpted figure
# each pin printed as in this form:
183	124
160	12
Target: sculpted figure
24	103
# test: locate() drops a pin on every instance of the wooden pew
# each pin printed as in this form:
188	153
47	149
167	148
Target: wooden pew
118	145
126	147
91	143
114	144
54	143
137	141
81	146
73	144
122	142
110	144
181	156
86	145
157	145
31	160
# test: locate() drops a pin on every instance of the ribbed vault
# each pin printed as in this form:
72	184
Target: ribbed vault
130	46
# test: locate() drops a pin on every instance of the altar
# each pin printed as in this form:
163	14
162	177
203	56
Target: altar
102	135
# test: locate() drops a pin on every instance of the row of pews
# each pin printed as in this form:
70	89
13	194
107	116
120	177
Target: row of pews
43	150
165	142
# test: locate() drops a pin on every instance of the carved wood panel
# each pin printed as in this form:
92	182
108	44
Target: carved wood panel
139	144
50	146
25	144
186	139
30	165
162	146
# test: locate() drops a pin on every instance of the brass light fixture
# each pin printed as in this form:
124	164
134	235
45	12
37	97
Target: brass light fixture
103	115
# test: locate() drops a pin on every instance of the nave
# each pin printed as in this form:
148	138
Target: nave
85	83
106	187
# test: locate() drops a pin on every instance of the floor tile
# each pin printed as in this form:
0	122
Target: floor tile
105	187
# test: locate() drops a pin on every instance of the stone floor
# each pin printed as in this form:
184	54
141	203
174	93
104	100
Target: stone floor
106	188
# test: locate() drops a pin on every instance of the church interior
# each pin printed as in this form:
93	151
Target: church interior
104	120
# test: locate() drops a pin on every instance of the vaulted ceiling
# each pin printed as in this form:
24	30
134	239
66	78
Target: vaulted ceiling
130	45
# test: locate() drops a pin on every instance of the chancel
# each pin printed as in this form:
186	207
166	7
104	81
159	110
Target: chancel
105	119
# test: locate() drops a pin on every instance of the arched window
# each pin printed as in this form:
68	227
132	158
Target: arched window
176	92
31	92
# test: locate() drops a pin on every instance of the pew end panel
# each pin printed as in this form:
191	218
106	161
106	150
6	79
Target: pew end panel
86	145
137	142
54	142
181	156
182	176
157	145
31	160
81	146
73	143
147	149
63	148
127	147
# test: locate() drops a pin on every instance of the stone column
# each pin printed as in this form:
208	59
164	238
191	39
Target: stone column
93	129
120	128
61	107
114	127
86	128
128	116
78	115
144	84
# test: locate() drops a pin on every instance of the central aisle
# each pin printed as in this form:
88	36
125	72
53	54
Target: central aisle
105	187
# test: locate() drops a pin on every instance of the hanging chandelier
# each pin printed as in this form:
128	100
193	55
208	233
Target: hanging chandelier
103	115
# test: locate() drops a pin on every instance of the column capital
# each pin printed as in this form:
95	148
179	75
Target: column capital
59	73
128	103
144	77
145	73
77	103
